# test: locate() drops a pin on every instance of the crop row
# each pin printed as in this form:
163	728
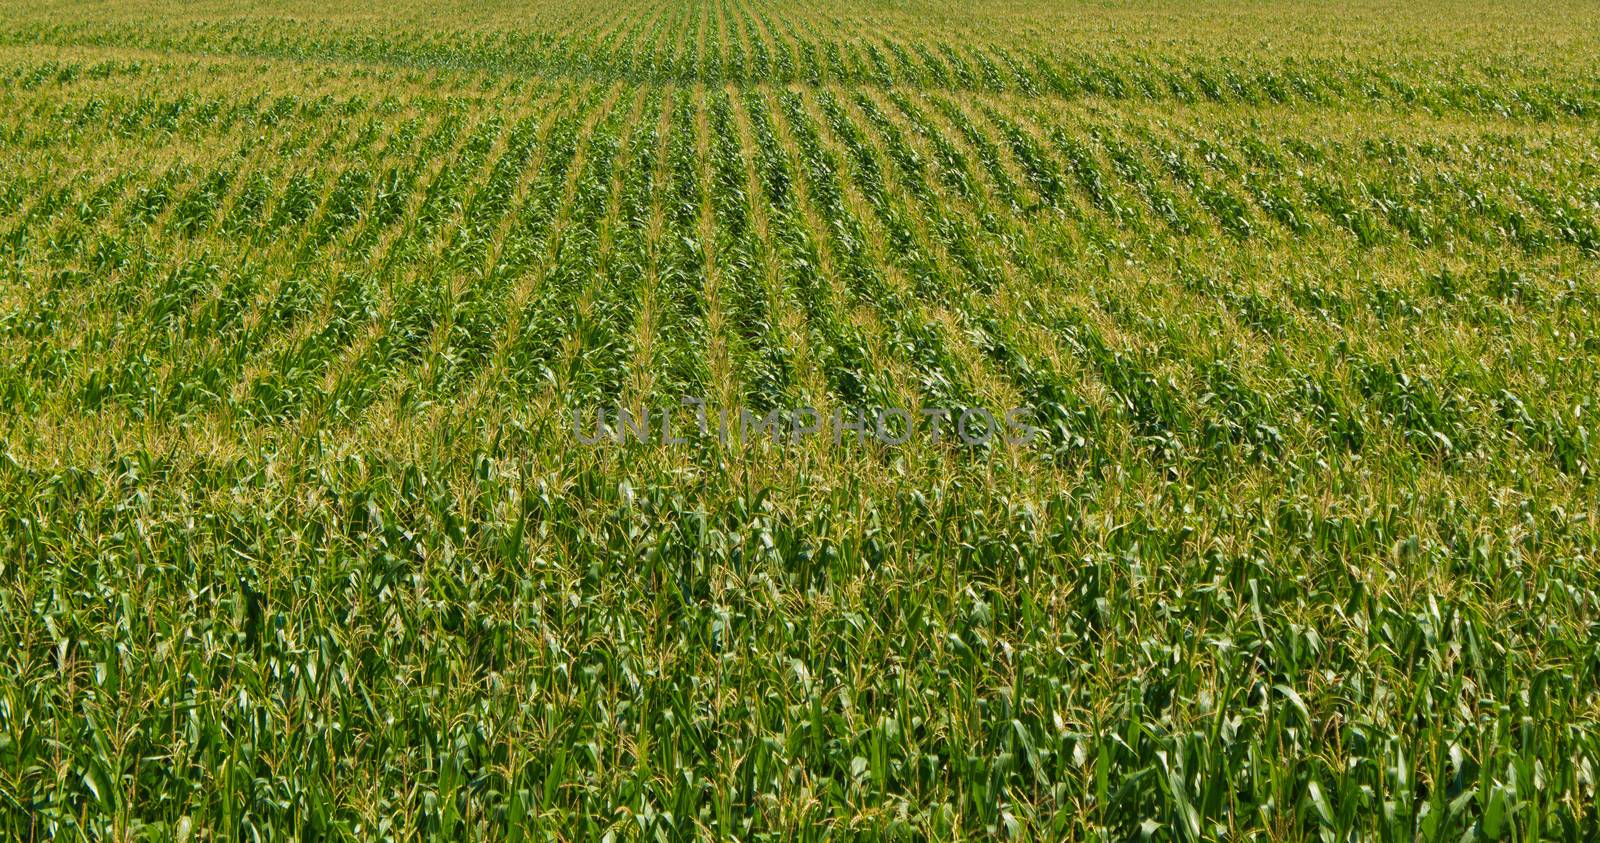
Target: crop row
741	44
459	249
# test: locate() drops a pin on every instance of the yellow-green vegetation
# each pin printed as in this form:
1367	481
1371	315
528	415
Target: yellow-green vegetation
296	540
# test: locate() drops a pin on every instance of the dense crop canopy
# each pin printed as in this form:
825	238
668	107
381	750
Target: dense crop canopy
298	309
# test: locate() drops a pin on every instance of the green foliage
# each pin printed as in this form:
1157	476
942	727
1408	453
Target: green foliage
297	305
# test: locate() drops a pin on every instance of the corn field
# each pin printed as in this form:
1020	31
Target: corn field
302	307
